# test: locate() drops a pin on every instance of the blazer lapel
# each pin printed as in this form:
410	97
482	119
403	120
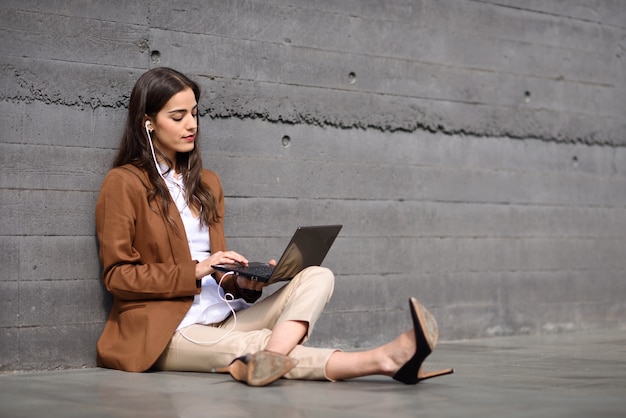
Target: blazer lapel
176	237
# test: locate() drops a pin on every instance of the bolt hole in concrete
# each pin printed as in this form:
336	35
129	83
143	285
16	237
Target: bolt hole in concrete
352	77
155	56
527	96
575	161
286	141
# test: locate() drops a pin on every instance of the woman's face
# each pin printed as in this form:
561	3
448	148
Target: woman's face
176	124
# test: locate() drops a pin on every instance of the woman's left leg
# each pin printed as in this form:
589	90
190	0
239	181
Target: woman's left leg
279	323
291	312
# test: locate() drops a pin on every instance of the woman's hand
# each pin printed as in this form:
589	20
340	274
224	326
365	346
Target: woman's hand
221	257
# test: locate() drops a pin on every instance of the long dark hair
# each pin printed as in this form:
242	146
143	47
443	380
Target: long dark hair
150	93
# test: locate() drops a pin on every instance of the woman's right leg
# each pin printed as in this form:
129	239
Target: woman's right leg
401	358
384	360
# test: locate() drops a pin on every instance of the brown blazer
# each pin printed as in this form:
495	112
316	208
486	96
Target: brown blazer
147	267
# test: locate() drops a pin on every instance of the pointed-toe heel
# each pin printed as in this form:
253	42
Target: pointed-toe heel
426	336
259	369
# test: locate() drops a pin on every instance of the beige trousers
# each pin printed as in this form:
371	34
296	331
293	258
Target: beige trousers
203	348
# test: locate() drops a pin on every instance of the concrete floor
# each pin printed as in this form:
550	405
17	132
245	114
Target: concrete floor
564	375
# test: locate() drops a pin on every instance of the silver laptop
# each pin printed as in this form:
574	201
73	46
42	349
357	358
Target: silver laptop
308	247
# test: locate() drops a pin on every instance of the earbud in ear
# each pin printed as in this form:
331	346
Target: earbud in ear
148	124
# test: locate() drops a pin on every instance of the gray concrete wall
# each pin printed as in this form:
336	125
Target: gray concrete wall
473	149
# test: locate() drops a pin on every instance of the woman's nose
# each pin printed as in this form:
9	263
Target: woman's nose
192	124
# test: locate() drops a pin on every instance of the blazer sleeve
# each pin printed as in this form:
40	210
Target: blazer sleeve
138	257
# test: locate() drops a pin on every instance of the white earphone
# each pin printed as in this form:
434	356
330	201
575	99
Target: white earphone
147	126
156	164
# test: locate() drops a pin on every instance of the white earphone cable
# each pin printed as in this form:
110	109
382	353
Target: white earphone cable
228	297
153	153
158	168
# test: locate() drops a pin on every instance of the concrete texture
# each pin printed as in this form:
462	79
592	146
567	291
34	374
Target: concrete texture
474	151
567	375
542	71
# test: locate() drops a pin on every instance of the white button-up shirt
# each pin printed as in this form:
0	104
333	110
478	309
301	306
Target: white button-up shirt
211	305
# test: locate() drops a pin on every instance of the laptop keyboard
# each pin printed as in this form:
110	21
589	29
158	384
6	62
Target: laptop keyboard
260	269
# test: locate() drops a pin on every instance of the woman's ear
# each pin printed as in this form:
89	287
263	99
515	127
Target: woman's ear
147	123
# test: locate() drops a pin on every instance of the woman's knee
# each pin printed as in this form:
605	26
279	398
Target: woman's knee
319	277
321	273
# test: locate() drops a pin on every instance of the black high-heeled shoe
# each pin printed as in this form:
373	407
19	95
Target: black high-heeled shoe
259	369
426	336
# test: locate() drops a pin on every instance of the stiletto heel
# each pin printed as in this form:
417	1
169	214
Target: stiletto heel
426	336
259	369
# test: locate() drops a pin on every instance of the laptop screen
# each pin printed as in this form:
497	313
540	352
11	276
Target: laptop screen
308	247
